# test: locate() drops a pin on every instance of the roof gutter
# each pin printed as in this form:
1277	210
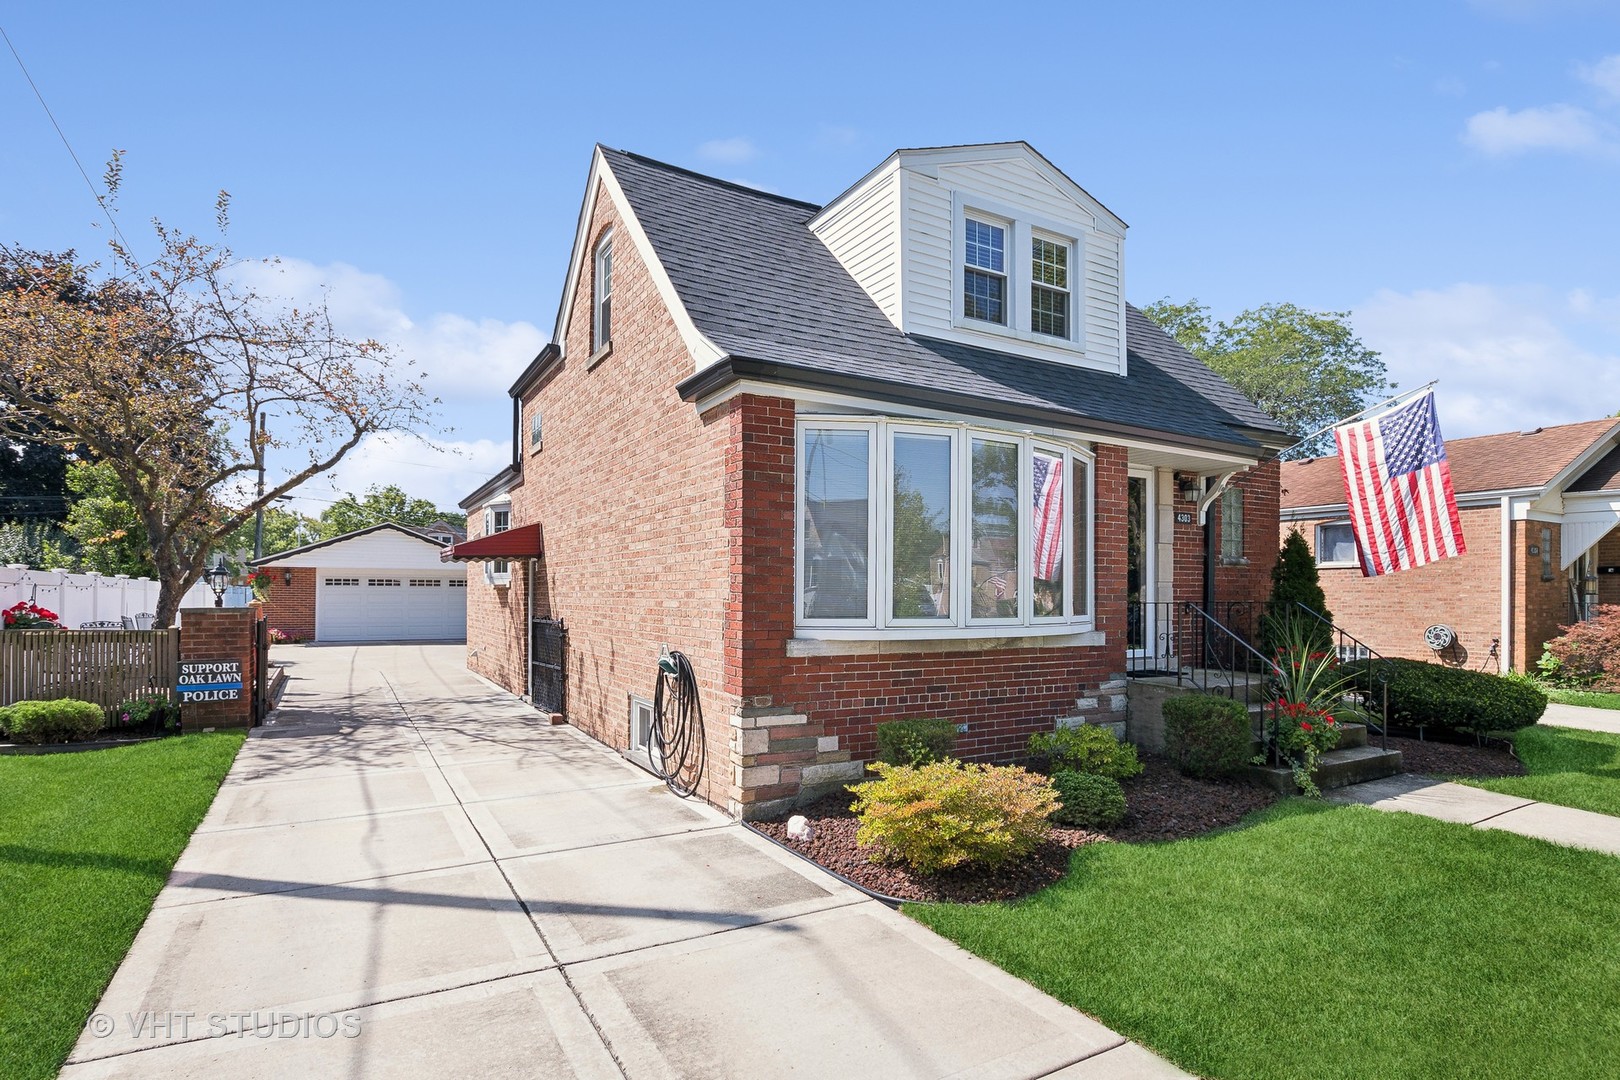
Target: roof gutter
732	369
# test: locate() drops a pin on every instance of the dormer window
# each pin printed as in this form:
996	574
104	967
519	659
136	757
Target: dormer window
1049	287
984	275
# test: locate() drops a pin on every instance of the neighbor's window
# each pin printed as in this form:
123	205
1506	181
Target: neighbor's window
602	304
1336	545
1231	526
984	277
969	527
1049	288
534	429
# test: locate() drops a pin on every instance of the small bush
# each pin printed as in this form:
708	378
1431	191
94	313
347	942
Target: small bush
936	816
915	742
1090	802
1587	655
150	712
1086	749
59	720
1206	735
1429	695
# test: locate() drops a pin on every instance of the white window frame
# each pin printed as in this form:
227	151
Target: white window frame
602	300
1021	227
1316	543
963	267
1068	291
536	429
497	572
878	620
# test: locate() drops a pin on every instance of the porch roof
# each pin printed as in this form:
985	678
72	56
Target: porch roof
522	542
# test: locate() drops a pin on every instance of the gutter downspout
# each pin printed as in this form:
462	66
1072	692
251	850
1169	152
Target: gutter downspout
1507	583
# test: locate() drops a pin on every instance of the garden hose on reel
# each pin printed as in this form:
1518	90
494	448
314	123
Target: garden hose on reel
677	727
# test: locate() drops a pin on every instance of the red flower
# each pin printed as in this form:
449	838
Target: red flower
1305	725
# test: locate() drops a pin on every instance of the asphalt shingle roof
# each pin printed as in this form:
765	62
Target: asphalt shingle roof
761	286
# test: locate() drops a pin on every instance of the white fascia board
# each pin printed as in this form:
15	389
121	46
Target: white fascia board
928	161
855	192
703	351
833	405
1472	500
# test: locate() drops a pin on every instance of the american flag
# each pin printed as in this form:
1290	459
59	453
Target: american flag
1048	515
1398	485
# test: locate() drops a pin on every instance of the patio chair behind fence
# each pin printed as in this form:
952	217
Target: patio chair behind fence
104	666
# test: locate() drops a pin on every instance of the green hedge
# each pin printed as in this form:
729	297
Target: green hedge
915	742
1431	695
1089	801
1088	748
1206	735
58	720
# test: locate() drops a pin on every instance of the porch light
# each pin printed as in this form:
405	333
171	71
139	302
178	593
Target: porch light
286	577
1189	488
218	579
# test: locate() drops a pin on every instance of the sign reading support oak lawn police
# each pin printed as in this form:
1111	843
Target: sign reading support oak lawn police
210	680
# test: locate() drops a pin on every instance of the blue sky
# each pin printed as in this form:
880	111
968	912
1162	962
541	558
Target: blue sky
1448	171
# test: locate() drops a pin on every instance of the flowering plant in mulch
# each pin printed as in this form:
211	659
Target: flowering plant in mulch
25	615
1303	735
1308	684
289	637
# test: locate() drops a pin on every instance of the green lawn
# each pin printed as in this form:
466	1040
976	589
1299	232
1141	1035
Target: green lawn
1592	699
1567	767
86	842
1321	941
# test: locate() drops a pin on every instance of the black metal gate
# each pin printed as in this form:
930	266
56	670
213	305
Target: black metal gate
261	670
548	642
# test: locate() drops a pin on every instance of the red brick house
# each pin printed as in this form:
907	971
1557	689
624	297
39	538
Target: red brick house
1553	492
907	454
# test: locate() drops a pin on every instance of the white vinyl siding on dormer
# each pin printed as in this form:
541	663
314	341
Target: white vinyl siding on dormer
899	234
863	231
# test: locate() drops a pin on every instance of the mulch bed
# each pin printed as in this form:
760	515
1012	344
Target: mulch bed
1436	758
1161	804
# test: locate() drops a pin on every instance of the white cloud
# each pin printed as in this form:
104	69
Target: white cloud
1603	75
462	357
838	135
1502	132
733	151
441	471
1507	358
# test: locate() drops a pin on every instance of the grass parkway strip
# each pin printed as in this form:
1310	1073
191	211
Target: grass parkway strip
86	842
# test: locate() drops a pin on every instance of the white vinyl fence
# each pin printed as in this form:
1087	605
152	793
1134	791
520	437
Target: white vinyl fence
85	598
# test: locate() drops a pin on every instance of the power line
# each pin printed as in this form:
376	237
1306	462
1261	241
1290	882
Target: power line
88	183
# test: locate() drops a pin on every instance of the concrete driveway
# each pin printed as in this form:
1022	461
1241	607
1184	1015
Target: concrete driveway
407	875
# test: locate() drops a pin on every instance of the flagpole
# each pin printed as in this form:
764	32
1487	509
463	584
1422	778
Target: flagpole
1303	439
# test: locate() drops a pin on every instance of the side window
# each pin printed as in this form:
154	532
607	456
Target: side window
535	424
1231	525
602	296
1336	545
497	519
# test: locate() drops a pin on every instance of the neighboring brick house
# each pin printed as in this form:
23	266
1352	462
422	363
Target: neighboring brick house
1554	492
908	454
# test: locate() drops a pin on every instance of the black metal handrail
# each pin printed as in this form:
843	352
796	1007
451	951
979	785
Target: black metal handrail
1371	681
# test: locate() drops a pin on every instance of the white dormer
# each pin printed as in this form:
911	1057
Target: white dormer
988	245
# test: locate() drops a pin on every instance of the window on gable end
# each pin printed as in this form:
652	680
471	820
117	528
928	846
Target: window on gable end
602	295
535	425
984	273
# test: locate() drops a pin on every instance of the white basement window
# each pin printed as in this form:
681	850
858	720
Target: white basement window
940	529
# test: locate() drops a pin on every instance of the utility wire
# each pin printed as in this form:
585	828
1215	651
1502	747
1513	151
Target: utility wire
88	183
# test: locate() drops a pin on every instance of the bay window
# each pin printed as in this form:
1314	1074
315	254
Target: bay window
926	528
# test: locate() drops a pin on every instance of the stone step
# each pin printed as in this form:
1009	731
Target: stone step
1337	769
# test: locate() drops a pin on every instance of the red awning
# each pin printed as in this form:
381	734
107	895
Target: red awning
522	542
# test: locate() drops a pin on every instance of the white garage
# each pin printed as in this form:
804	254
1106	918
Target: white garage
385	583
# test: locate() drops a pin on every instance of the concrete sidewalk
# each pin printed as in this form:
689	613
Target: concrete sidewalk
1581	716
407	875
1487	810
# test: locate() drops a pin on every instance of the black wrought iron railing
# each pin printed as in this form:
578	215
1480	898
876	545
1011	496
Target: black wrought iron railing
1370	672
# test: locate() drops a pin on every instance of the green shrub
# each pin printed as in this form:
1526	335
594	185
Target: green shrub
915	742
943	814
59	720
1087	749
150	712
1090	802
1206	735
1294	581
1429	695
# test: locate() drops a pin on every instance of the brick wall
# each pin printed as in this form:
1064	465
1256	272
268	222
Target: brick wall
630	492
1390	612
1262	493
1608	554
291	608
220	634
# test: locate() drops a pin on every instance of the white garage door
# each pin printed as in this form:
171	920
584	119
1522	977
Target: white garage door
390	605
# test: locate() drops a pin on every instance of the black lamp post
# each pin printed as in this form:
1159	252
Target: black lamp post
218	579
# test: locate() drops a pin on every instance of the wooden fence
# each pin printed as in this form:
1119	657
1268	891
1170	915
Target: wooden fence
103	666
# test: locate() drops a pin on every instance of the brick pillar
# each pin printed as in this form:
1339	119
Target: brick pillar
220	634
